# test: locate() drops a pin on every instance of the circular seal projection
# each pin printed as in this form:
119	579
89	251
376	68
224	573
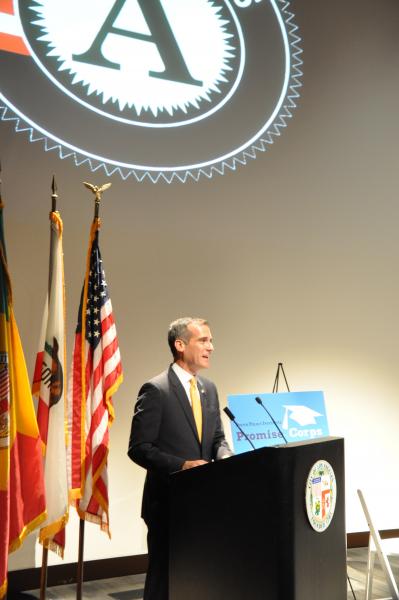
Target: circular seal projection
158	89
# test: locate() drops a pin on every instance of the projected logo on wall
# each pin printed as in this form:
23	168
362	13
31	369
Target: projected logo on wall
158	89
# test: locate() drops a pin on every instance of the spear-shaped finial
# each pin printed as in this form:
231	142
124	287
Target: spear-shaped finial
54	195
97	191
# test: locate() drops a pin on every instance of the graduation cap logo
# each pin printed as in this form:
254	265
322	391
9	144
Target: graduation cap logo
303	415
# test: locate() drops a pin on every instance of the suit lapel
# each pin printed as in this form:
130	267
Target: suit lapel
181	396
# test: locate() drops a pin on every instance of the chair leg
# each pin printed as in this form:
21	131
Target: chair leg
370	569
375	547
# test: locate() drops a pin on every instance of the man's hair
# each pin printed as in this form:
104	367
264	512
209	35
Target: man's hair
178	330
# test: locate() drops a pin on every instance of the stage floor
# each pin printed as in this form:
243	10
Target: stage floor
131	586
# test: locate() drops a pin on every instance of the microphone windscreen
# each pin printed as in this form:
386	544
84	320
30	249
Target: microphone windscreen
229	413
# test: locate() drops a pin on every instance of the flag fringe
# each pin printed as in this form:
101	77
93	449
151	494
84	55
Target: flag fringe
55	217
108	395
3	589
74	495
94	519
54	547
94	228
51	530
15	544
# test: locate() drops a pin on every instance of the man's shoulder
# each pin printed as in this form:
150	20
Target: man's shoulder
162	381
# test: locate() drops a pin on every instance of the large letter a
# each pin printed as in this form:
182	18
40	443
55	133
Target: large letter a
161	35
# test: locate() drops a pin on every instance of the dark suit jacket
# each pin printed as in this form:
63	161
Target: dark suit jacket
163	434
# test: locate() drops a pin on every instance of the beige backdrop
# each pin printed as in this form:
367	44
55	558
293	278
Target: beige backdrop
293	258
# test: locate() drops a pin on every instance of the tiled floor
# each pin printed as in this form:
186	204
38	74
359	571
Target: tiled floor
131	587
357	563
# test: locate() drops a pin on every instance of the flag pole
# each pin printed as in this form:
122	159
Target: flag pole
79	576
54	195
97	191
1	185
43	573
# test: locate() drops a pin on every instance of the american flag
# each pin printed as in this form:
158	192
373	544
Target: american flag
95	376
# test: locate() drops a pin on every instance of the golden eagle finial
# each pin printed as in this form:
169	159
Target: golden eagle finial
97	189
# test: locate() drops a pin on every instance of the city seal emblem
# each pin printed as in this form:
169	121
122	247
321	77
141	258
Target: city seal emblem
321	495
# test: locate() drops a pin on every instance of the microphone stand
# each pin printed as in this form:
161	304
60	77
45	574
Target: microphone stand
232	418
259	401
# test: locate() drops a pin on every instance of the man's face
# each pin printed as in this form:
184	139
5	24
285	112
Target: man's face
195	353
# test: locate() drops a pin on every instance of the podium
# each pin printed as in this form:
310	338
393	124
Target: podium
239	528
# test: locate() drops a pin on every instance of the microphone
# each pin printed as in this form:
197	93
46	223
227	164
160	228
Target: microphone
259	401
232	418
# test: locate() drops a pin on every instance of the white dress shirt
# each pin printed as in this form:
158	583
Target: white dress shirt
185	378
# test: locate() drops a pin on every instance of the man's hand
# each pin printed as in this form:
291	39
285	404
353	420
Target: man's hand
190	464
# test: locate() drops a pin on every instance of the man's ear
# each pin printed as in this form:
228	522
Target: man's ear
179	345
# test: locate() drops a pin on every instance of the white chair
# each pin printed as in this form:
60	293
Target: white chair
376	548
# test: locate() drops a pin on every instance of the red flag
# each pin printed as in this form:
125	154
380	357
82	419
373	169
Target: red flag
95	376
22	500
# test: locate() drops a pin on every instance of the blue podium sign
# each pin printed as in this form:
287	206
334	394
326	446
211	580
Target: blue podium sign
300	416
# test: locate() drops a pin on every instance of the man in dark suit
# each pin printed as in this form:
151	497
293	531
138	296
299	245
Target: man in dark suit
176	425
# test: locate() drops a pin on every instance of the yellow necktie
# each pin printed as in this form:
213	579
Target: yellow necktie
196	406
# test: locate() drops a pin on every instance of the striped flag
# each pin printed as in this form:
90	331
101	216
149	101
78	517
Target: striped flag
22	499
49	387
95	376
